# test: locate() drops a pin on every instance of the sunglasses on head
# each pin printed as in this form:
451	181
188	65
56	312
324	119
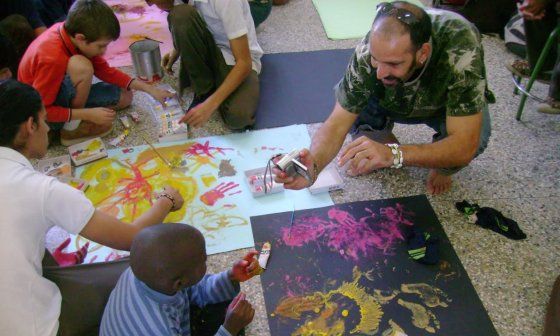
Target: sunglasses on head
403	15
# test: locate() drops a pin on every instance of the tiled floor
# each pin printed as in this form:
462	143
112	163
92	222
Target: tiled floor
518	175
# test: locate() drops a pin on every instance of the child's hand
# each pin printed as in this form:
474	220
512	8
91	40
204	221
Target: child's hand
101	115
239	314
244	269
159	94
168	60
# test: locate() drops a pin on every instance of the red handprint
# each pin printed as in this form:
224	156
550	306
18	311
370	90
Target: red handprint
212	196
72	258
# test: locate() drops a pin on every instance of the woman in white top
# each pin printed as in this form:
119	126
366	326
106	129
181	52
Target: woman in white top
31	203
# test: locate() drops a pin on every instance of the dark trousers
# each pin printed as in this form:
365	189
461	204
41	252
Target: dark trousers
85	290
536	34
204	69
375	122
260	10
20	33
53	11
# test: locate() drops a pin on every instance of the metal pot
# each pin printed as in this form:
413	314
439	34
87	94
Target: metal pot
146	58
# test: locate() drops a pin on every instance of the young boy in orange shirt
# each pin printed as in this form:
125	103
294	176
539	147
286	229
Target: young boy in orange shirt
60	65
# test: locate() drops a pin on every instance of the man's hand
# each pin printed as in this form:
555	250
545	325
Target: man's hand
239	314
174	193
199	115
365	155
244	269
532	9
297	181
168	60
72	258
100	115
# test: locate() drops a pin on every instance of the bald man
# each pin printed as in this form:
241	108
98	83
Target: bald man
167	274
413	67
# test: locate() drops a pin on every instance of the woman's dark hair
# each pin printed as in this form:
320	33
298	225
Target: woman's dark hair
94	19
18	102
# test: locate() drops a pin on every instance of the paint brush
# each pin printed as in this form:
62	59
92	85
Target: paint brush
292	220
167	163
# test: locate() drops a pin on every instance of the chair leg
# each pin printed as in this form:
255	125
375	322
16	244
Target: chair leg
551	39
518	80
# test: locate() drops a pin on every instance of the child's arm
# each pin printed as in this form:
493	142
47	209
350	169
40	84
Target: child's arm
114	76
213	288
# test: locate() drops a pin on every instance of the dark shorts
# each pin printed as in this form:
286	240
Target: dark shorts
100	95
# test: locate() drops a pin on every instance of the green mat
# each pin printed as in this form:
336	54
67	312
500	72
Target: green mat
347	19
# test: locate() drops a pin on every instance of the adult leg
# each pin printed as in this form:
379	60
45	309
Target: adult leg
85	290
201	60
536	34
553	104
238	110
439	180
374	123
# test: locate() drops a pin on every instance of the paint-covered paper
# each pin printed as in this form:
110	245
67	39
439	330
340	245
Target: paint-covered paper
217	198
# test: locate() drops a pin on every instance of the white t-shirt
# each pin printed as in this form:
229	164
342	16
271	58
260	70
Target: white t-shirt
30	204
227	20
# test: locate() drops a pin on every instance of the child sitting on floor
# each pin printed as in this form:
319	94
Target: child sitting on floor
61	63
167	274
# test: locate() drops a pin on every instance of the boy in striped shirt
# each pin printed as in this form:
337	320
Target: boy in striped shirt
167	275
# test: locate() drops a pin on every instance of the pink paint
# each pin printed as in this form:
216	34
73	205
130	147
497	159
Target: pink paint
212	196
352	238
297	285
134	21
138	10
198	149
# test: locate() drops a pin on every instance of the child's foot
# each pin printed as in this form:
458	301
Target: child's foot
85	131
438	183
551	107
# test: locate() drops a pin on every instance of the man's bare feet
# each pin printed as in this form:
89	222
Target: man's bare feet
438	183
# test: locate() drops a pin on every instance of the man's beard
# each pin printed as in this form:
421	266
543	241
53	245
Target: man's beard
396	81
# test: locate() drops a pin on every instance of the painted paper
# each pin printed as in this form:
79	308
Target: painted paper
208	172
345	270
138	21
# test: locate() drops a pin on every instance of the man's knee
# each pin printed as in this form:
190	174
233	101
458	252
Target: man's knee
125	99
79	68
181	16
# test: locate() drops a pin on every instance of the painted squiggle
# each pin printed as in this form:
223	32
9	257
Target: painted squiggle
432	296
421	317
352	238
324	305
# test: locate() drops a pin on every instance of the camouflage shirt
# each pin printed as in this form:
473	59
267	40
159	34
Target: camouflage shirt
452	83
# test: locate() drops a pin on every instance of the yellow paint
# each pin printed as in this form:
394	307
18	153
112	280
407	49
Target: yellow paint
208	180
345	312
393	330
421	317
432	296
327	323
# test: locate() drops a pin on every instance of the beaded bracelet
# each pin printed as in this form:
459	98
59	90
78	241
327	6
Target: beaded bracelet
397	155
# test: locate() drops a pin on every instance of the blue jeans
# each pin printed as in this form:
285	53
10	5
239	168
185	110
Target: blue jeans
100	95
375	118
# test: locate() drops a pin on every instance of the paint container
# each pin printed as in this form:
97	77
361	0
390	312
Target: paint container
256	181
146	58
